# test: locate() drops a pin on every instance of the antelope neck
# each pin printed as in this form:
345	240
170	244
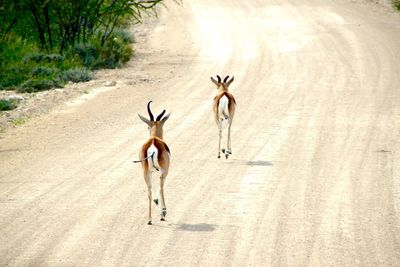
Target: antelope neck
156	132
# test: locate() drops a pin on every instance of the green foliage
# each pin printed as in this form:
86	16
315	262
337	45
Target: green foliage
42	71
62	24
45	43
113	53
39	84
13	71
396	4
7	104
13	76
44	58
87	53
76	75
125	36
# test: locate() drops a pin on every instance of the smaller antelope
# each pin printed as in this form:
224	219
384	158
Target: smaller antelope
224	109
155	156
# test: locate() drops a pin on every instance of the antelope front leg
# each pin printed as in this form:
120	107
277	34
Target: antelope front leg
149	196
219	138
229	148
147	179
163	206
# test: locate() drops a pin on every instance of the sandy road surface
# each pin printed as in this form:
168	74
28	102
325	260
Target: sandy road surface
314	176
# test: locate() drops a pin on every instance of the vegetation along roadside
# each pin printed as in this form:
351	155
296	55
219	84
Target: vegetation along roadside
396	4
46	43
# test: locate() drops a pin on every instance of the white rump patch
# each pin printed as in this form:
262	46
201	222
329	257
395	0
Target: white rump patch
153	161
223	108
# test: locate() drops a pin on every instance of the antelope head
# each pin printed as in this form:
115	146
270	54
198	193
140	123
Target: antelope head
155	126
222	85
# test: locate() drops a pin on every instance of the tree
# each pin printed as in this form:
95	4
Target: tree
64	23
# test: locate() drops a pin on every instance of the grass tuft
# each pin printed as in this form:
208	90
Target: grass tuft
7	104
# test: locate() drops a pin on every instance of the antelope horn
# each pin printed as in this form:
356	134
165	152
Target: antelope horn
226	78
160	116
149	111
219	79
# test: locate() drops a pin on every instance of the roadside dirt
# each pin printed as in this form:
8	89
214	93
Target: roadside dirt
314	175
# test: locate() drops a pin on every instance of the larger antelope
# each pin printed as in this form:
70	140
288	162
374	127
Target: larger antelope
155	156
224	110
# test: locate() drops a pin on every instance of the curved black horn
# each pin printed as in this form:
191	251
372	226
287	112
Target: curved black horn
219	79
160	116
226	78
149	111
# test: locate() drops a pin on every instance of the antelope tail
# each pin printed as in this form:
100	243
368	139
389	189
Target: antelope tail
149	156
152	160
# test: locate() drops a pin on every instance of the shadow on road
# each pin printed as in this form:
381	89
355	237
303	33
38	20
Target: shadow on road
251	162
199	227
259	163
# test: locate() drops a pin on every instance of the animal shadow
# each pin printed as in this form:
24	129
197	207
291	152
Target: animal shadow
198	227
258	163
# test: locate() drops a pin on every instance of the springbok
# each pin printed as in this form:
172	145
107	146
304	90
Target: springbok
155	156
224	109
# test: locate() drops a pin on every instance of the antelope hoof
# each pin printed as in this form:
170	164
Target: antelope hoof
223	150
162	219
149	223
156	201
163	213
226	156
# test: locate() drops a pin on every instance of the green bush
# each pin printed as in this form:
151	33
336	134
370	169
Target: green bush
13	71
44	58
87	53
396	4
26	69
37	84
40	40
116	51
11	77
126	36
113	54
44	71
7	104
76	75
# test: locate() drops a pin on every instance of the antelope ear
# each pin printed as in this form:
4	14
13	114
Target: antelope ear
144	119
230	81
214	81
163	120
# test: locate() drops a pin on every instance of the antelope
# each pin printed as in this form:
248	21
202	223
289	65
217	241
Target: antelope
155	156
224	110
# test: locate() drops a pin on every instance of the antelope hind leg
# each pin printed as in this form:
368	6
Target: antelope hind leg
163	206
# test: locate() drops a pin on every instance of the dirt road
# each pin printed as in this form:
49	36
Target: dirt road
314	175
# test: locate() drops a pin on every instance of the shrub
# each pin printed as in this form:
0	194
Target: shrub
76	75
36	85
44	71
13	77
116	51
396	4
87	53
13	71
23	67
126	36
43	58
7	104
113	54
